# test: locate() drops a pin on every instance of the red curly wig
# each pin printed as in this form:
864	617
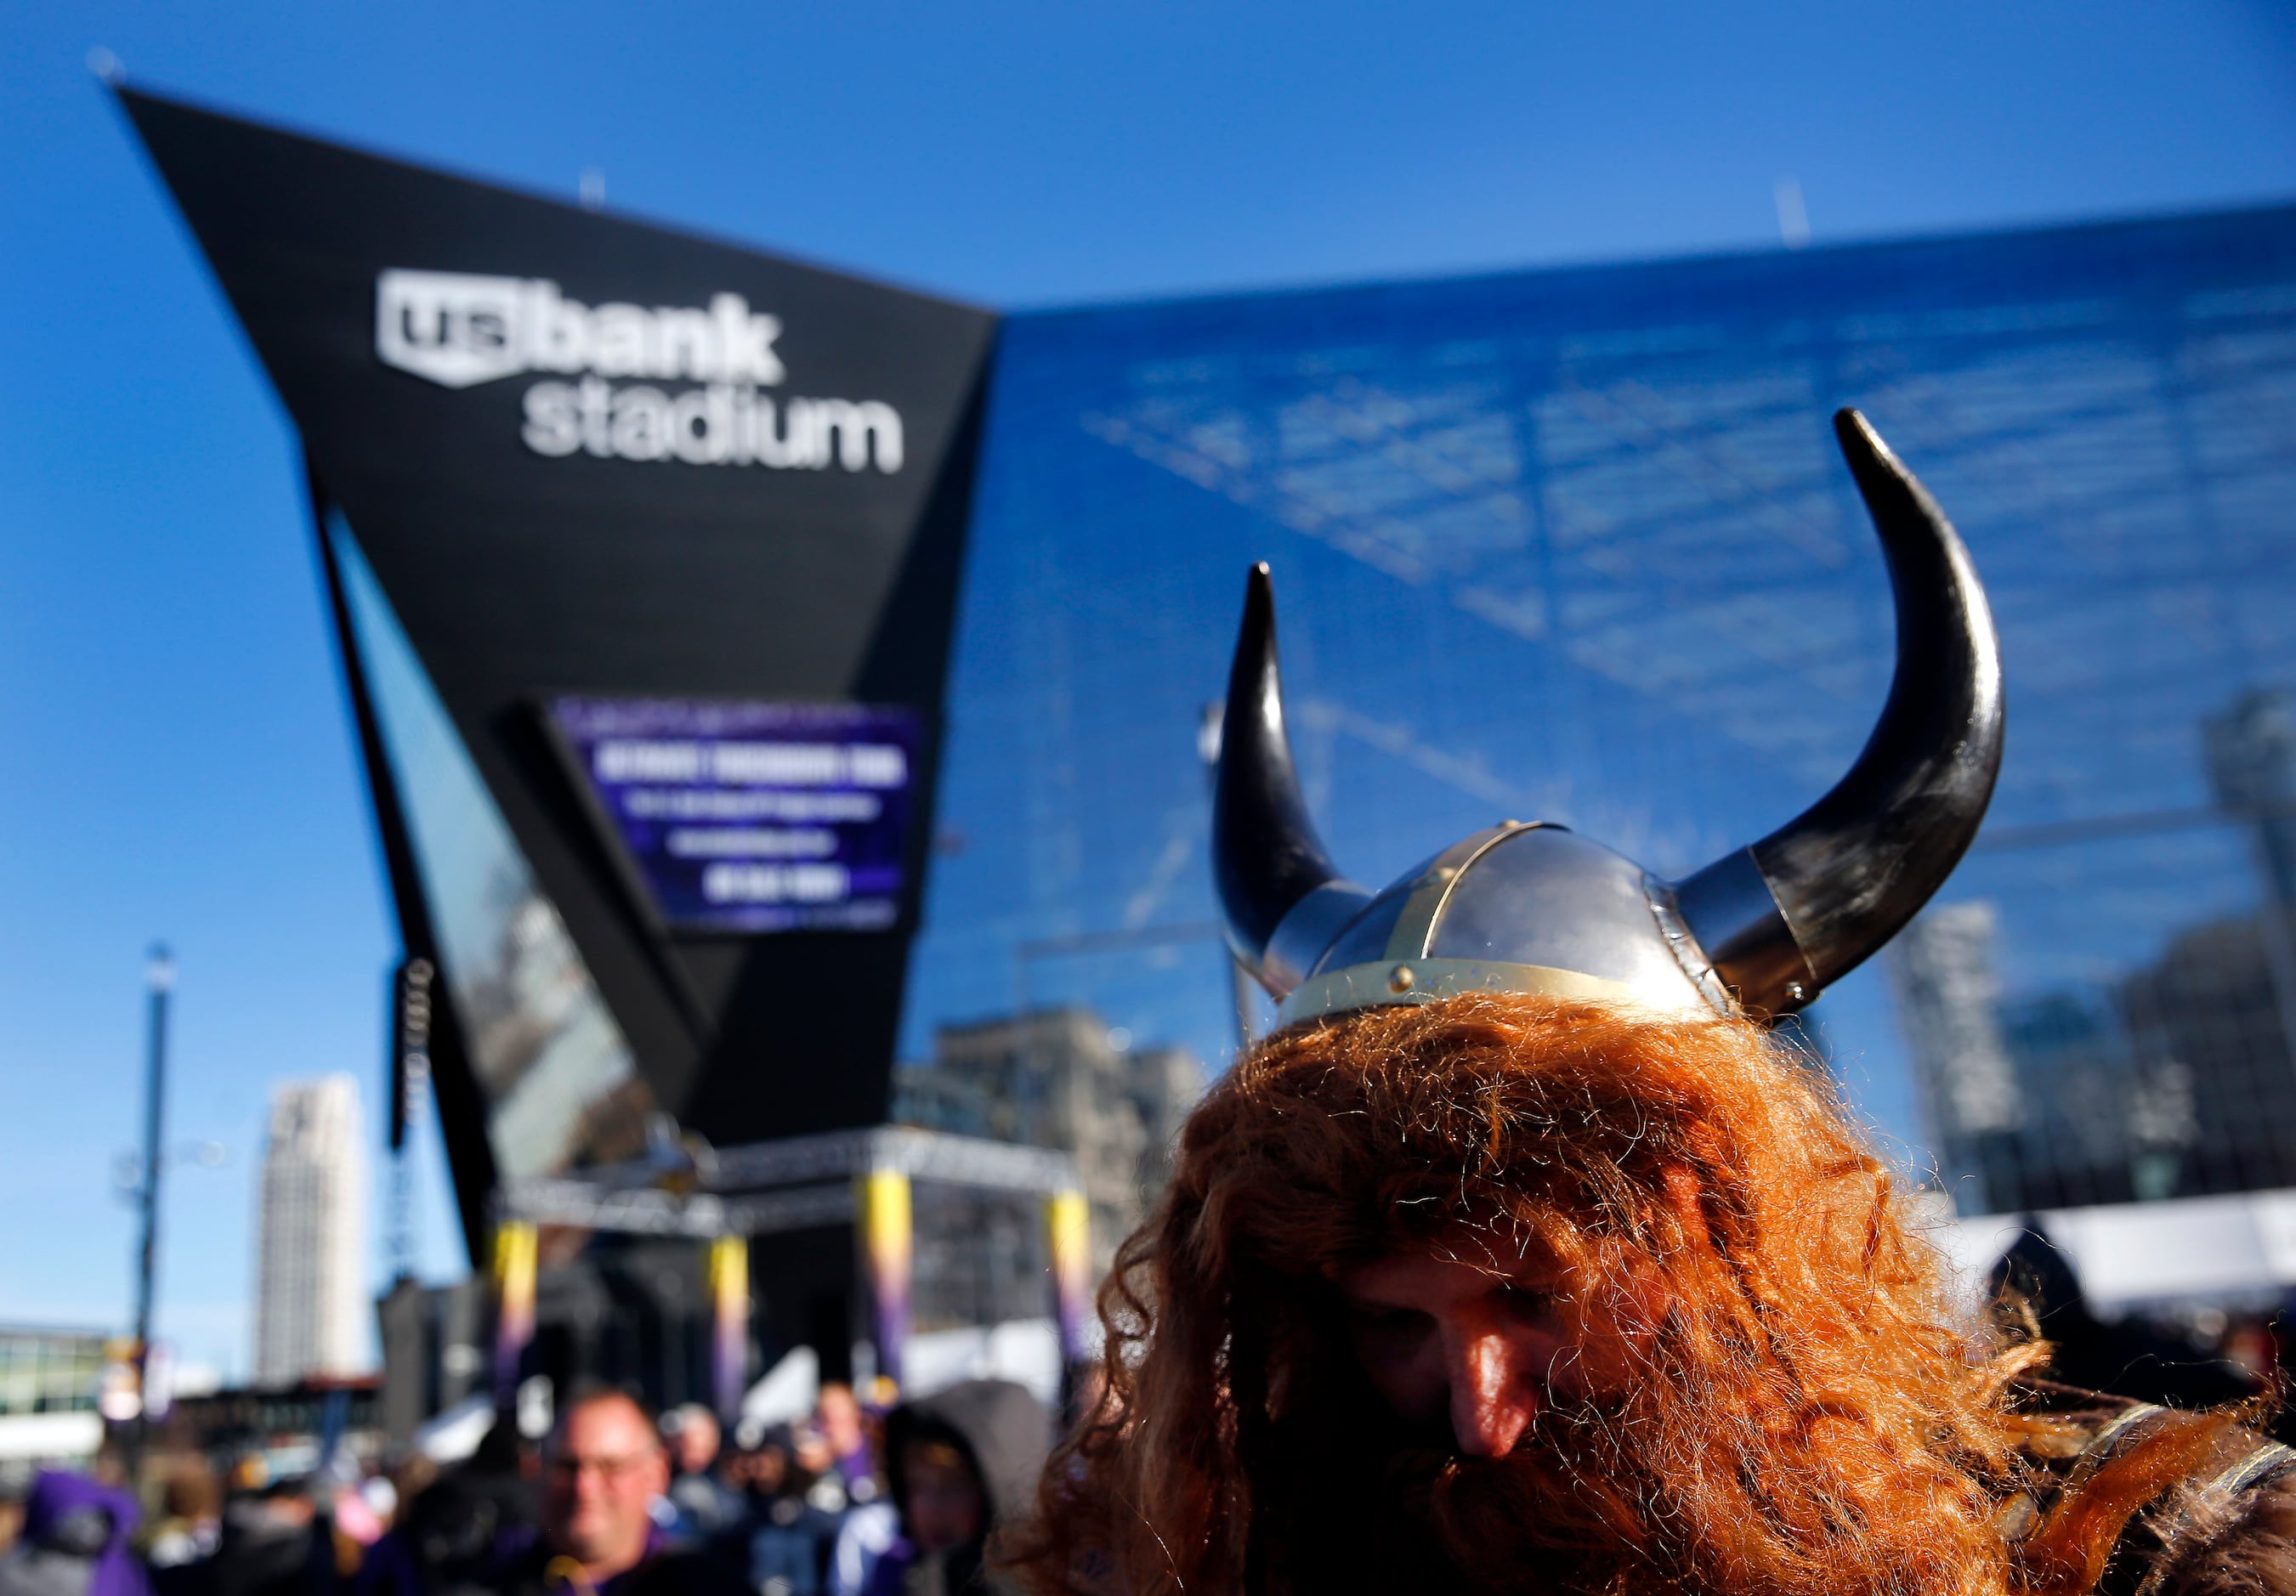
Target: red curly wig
1808	1419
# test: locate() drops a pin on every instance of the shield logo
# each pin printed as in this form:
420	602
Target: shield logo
453	328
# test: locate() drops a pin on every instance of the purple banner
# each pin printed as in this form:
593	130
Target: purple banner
753	817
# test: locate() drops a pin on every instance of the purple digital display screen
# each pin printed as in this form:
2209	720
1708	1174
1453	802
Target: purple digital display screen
753	817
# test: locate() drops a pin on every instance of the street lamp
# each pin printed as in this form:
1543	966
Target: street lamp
158	981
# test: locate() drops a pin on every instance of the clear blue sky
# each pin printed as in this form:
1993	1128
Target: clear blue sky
174	759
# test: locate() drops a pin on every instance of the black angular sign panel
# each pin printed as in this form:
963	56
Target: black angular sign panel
674	528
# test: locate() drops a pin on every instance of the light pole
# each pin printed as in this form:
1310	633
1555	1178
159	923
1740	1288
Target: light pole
158	981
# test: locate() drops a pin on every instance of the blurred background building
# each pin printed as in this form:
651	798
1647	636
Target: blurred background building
311	1306
50	1380
1058	1078
2172	1077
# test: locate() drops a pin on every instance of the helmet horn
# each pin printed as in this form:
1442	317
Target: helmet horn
1281	895
1787	917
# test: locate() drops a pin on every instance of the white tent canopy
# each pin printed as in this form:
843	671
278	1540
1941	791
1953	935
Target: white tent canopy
2234	1248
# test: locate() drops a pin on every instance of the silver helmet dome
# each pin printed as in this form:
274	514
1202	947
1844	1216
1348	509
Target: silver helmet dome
1535	908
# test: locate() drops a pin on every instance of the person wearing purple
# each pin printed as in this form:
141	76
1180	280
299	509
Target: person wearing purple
74	1542
837	1415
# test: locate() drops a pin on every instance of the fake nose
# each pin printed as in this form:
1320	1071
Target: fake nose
1494	1392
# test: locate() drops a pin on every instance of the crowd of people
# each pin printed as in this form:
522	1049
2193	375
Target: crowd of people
615	1501
848	1502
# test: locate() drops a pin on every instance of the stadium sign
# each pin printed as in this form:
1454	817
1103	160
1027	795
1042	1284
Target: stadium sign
704	706
461	329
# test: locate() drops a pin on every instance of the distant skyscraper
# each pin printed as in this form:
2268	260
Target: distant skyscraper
1949	998
2175	1076
310	1302
2251	755
2214	1013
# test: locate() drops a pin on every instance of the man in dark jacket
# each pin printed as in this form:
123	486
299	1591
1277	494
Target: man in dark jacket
960	1462
448	1536
706	1505
2035	1277
275	1542
782	1543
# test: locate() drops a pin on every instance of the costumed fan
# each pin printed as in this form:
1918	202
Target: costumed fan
1524	1256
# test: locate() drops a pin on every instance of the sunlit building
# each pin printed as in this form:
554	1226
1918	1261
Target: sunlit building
51	1380
311	1305
1061	1078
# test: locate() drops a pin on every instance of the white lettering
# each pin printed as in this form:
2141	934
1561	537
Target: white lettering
459	329
746	350
552	425
642	423
557	333
856	427
878	766
759	764
712	411
791	447
778	764
620	760
717	425
648	803
597	418
685	344
448	326
688	843
774	883
620	340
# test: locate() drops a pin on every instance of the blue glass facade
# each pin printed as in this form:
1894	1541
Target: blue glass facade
1577	546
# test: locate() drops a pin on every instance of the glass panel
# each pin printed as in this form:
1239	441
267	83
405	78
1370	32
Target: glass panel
1579	546
553	1065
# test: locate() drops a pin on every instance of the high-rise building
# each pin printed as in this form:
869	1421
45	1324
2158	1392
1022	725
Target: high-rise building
2173	1078
310	1290
2252	754
1948	999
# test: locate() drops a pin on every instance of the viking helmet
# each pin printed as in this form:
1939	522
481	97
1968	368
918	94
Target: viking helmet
1535	908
